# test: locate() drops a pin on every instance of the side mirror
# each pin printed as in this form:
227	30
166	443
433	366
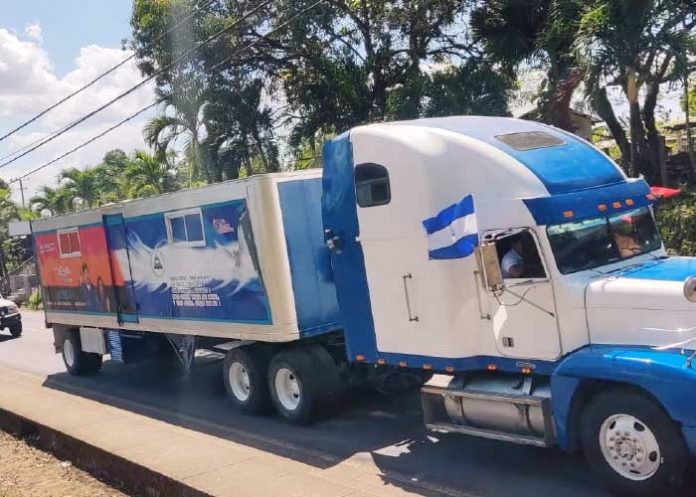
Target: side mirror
492	273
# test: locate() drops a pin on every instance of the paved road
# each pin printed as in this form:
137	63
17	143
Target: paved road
382	431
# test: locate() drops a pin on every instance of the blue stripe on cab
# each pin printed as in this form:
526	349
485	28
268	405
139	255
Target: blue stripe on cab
670	269
585	204
568	167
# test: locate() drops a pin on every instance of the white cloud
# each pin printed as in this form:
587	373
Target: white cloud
34	32
29	84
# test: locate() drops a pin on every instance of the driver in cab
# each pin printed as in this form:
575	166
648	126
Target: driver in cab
513	265
625	238
521	260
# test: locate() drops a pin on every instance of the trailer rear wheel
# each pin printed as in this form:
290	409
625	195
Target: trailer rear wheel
245	374
295	385
633	444
76	361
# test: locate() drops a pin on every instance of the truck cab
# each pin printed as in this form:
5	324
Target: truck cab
524	268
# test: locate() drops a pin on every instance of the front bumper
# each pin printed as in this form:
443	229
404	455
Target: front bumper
10	320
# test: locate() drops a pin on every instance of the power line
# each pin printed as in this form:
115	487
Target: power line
236	52
19	150
142	83
84	144
95	80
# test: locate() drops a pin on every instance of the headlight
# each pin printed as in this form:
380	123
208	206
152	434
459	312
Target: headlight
690	288
11	309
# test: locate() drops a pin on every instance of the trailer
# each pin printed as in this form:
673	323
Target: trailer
511	264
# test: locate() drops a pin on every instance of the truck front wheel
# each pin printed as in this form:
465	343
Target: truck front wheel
633	444
77	362
245	375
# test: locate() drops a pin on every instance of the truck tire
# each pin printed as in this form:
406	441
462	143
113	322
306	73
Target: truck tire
16	330
333	387
295	384
245	375
633	445
77	362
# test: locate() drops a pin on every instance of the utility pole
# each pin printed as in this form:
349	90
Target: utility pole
21	189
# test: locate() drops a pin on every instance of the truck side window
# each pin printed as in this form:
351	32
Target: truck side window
372	185
519	256
69	242
185	228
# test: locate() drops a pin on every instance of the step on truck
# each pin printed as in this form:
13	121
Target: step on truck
512	264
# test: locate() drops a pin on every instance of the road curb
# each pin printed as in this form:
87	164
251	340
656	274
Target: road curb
114	470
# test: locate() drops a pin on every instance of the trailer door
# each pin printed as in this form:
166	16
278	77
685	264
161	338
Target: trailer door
123	291
341	230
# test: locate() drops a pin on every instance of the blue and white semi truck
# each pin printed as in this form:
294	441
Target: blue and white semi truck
513	263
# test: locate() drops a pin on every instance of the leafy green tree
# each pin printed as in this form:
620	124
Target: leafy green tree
81	186
148	175
447	98
540	33
12	254
634	46
108	176
341	64
240	129
181	119
54	201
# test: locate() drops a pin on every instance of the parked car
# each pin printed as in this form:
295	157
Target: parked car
10	317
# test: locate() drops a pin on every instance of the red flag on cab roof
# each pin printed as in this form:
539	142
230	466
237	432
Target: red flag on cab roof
664	192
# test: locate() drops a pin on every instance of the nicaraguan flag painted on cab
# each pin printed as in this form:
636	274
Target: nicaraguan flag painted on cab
453	233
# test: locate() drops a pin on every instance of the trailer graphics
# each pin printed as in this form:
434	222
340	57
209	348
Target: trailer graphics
158	265
196	264
75	270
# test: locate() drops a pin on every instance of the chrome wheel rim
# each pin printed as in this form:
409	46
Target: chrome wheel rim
240	383
630	447
287	389
69	353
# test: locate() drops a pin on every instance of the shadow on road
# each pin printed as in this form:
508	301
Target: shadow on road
6	338
386	429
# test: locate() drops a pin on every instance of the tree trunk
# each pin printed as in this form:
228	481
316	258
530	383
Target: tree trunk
603	107
556	106
632	95
267	167
653	141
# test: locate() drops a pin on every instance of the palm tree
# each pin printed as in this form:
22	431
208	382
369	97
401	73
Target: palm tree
634	46
81	185
53	200
239	129
540	33
148	175
185	104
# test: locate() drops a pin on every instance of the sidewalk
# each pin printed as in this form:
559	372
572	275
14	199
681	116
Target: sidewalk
205	464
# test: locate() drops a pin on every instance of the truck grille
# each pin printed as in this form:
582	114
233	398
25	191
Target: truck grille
3	310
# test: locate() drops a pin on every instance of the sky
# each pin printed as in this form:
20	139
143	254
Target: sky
48	49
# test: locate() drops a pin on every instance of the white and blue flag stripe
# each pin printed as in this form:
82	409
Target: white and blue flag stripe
453	233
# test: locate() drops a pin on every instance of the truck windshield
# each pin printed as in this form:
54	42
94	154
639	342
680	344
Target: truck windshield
599	241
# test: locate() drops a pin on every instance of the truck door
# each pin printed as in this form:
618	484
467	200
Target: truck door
341	230
123	291
523	314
